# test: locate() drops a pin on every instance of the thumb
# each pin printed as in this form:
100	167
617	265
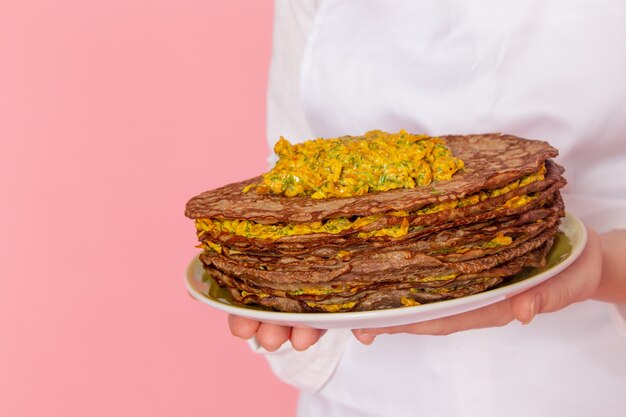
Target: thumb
577	283
527	305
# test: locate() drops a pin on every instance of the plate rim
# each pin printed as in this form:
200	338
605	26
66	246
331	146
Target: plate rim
570	225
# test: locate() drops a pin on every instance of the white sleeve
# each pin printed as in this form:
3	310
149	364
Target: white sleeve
308	370
311	369
618	316
618	311
292	23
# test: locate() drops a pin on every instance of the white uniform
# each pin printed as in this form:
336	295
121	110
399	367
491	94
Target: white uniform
543	69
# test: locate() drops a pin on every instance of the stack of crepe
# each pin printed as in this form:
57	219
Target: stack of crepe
385	249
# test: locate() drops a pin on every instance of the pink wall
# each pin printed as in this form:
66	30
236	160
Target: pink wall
112	114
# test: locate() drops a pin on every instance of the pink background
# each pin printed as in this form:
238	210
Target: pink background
112	114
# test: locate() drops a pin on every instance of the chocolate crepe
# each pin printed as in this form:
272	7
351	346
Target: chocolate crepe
504	225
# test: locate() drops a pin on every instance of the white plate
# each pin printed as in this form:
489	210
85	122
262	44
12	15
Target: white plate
572	228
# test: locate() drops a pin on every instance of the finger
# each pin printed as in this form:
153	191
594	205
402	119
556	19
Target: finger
363	336
242	327
272	336
576	283
302	338
498	314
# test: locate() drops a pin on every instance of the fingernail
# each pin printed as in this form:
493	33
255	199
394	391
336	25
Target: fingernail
366	338
535	307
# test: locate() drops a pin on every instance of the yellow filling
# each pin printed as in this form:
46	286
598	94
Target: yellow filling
215	247
258	294
332	308
516	202
393	231
251	229
351	166
437	278
498	241
324	291
408	302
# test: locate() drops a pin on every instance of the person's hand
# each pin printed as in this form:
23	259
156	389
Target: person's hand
577	283
272	336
